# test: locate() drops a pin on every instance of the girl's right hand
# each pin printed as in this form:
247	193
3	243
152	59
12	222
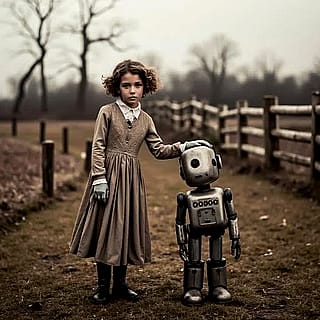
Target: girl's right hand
101	192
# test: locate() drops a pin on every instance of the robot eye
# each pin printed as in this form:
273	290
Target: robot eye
214	162
195	163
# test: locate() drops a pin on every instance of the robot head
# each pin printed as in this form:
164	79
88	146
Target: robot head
199	166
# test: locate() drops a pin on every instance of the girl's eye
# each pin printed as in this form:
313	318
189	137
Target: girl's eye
127	85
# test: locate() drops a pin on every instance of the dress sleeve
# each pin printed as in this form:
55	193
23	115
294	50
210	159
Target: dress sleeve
99	143
157	147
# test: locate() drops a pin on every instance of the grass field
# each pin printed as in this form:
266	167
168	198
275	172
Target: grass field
79	132
276	278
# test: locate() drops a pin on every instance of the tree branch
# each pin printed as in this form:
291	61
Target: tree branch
63	69
24	24
115	33
82	11
103	10
34	5
21	91
27	50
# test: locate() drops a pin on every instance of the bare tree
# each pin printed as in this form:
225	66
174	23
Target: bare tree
311	79
213	58
268	67
90	11
36	36
317	66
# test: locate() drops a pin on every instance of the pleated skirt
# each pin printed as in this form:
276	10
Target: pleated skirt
116	233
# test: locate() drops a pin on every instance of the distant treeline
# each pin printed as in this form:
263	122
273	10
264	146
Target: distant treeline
177	88
290	90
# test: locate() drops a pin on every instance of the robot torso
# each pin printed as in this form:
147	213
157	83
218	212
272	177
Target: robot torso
206	211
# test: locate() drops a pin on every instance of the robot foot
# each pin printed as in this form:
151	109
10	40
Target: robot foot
193	297
219	295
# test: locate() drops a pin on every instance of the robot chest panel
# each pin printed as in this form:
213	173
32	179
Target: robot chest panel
206	211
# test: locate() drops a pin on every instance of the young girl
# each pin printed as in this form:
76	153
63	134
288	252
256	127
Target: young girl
112	222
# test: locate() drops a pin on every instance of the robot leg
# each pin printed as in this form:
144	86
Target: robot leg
217	273
193	274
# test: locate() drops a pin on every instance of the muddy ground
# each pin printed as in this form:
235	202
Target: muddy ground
276	278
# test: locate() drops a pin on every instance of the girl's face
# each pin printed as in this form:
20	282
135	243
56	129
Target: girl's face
131	89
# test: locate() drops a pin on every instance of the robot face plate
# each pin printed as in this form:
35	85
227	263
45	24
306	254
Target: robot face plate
199	166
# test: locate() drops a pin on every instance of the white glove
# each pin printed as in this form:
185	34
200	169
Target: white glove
101	192
195	143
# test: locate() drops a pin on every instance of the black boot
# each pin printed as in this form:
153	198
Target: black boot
120	289
102	295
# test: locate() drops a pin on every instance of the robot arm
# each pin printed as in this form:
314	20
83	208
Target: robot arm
234	232
181	227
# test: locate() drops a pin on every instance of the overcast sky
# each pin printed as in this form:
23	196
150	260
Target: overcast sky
289	29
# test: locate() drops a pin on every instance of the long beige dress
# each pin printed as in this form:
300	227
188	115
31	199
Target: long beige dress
118	233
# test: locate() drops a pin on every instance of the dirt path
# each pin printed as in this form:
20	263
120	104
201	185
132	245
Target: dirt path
276	278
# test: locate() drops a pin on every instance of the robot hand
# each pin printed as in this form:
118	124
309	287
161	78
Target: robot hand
236	248
101	192
196	143
183	252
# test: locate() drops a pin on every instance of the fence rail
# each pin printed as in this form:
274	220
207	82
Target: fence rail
202	119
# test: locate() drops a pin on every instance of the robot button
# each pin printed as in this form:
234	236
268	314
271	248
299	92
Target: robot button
215	201
195	204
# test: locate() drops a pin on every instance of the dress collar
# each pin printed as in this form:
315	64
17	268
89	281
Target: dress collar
127	111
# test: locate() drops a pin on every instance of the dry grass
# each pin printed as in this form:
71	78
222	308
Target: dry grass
276	278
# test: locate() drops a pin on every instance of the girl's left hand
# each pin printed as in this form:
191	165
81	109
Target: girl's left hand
196	143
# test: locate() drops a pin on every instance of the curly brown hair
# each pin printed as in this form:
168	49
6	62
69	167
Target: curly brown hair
148	76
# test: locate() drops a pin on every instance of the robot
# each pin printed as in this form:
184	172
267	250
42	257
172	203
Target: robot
211	212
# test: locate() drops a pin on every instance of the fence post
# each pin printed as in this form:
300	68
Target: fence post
14	131
181	115
192	122
315	139
87	161
171	113
271	143
42	132
221	125
242	122
189	114
65	140
204	118
48	167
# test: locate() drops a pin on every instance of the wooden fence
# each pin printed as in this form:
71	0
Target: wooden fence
201	119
